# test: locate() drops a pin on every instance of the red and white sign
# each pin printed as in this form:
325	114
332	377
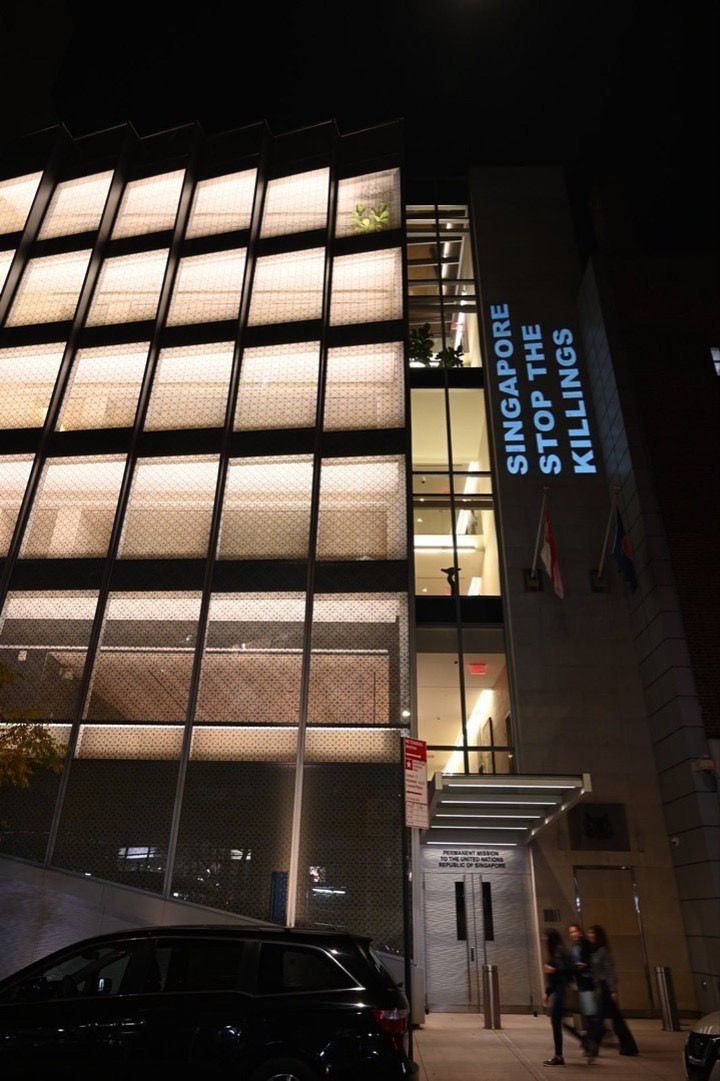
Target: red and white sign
415	771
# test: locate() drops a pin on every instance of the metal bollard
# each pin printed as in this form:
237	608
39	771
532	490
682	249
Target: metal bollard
666	995
491	996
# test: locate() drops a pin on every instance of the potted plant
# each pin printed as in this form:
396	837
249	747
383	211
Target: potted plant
421	345
450	357
370	219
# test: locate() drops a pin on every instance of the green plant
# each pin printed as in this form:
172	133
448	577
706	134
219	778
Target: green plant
450	357
421	345
370	219
25	743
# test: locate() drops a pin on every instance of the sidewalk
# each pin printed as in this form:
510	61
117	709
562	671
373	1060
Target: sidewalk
455	1047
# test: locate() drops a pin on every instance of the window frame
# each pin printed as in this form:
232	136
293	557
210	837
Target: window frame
353	984
245	971
137	966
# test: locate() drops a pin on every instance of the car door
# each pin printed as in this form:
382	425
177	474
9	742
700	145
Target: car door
192	1006
71	1014
306	1004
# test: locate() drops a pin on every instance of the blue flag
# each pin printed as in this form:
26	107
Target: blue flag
622	550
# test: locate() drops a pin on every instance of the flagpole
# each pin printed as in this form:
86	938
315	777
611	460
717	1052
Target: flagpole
538	538
606	538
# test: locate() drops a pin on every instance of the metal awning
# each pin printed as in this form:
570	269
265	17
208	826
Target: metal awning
480	809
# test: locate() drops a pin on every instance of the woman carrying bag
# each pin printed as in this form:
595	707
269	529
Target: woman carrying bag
602	969
580	952
558	970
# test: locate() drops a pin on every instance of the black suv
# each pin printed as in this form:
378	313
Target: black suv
251	1005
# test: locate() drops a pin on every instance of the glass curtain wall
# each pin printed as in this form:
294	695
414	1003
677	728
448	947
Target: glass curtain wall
192	463
463	703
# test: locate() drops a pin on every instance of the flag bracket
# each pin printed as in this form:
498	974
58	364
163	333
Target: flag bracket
533	583
598	582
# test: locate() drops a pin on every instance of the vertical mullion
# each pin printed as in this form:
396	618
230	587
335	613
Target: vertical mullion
78	321
126	483
244	311
455	584
295	835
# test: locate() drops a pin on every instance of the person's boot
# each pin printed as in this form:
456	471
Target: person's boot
556	1060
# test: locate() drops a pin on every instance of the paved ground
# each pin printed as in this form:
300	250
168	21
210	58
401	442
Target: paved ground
455	1047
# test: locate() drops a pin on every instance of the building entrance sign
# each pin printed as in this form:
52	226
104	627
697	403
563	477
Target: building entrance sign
471	858
415	780
541	398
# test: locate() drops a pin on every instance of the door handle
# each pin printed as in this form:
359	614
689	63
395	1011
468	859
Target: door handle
472	953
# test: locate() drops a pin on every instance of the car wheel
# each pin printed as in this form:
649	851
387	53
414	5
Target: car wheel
284	1069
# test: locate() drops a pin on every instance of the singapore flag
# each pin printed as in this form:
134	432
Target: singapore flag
549	556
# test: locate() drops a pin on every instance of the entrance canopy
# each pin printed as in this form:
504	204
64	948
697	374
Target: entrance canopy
481	809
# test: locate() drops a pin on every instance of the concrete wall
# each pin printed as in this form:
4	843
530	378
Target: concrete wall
578	702
690	799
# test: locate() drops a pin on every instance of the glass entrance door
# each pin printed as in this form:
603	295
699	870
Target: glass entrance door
454	941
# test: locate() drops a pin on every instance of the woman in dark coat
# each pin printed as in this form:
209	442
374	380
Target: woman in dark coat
558	970
602	969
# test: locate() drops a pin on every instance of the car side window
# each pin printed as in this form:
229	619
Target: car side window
298	968
95	971
195	965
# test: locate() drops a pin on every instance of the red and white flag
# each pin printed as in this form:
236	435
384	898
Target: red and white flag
549	556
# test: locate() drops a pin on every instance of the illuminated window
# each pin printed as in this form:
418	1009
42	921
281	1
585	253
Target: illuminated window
222	204
362	508
358	667
253	658
190	387
149	205
104	387
128	288
14	474
288	287
368	203
367	287
365	387
6	258
470	542
170	508
43	641
243	744
16	198
208	287
76	206
295	204
144	664
121	742
278	387
473	550
49	289
27	378
266	514
74	508
487	709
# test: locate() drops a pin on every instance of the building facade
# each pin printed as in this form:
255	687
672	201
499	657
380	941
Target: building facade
277	424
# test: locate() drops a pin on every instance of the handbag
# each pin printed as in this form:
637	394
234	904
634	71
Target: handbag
588	1003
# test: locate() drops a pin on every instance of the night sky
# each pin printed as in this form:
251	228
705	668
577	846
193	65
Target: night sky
623	91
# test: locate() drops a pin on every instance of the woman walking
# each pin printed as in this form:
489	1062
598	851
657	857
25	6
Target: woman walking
602	969
558	970
580	954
